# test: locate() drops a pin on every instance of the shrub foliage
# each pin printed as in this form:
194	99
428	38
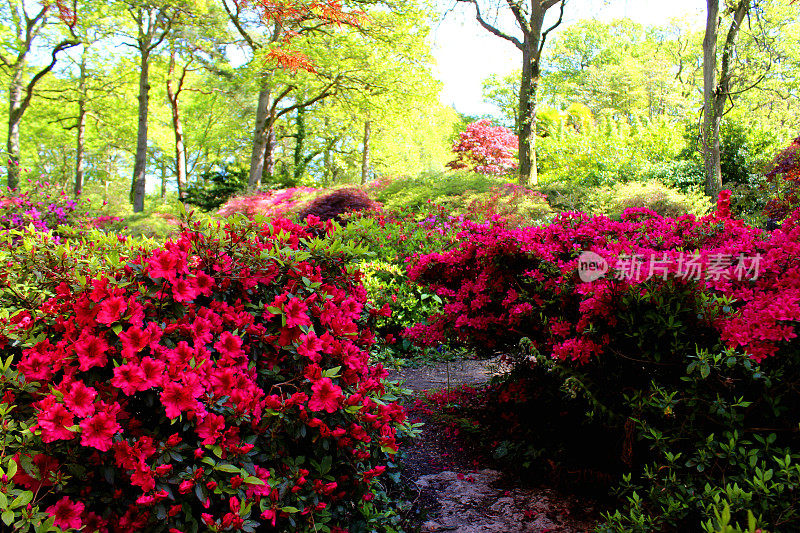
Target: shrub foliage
218	382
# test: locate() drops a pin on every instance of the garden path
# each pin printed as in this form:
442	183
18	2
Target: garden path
456	492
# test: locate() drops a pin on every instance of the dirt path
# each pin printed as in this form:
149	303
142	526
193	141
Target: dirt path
455	490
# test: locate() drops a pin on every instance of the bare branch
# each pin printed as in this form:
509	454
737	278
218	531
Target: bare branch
63	45
234	18
491	29
521	17
554	26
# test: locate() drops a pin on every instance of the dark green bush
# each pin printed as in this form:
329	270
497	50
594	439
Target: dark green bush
216	186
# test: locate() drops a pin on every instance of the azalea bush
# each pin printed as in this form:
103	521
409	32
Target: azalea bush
783	182
47	209
337	203
285	203
219	382
673	344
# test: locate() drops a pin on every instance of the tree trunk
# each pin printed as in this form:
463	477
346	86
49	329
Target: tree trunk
299	141
711	121
716	92
80	141
14	119
163	180
260	135
177	126
140	165
528	89
269	153
365	153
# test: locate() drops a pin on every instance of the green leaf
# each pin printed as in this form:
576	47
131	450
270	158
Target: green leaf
227	468
23	499
325	465
11	470
290	509
8	517
253	480
331	372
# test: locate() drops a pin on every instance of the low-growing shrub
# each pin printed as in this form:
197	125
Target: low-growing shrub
678	334
783	182
48	209
411	195
337	203
402	303
667	202
219	382
285	203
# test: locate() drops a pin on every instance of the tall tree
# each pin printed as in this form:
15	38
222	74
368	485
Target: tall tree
153	24
529	18
717	90
29	22
267	43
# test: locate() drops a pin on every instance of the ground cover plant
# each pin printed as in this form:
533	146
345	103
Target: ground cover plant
217	382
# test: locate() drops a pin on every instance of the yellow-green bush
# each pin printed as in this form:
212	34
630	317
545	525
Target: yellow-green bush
615	199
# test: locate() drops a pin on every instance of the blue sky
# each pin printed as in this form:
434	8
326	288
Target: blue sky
466	54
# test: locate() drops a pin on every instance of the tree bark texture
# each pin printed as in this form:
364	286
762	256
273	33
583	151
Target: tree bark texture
14	118
260	136
80	140
140	164
717	91
177	126
365	153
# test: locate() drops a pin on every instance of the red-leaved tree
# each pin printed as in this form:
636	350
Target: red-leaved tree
486	149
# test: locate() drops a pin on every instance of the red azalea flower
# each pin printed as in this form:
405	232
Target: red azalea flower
92	351
309	346
67	513
229	344
129	378
111	310
183	291
153	370
326	396
79	399
177	398
163	265
211	428
94	522
133	341
204	283
98	430
54	419
295	311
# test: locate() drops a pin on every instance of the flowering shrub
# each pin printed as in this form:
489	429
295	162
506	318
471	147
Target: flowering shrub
679	362
402	304
485	149
46	211
335	204
219	382
783	182
270	204
501	284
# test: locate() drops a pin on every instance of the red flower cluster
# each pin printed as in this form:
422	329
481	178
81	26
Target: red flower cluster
501	283
185	382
